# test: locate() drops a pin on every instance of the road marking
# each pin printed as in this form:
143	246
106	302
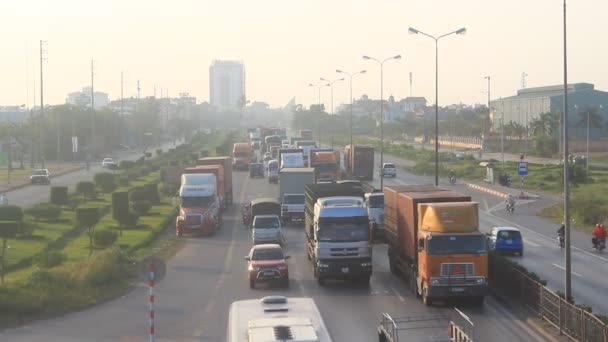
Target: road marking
544	236
529	242
563	268
485	202
506	313
401	298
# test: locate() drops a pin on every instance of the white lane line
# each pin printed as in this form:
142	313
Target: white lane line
531	243
401	298
563	268
543	236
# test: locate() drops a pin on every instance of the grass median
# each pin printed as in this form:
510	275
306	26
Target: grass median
35	290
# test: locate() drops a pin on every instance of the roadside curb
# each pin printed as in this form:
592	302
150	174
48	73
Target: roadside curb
61	173
487	190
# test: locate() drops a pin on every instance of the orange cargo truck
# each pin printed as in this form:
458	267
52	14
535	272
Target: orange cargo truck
241	154
226	163
327	167
434	240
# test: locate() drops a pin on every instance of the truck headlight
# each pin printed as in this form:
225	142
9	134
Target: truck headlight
480	280
282	268
366	264
322	265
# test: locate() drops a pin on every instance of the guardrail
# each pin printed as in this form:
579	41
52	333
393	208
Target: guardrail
571	320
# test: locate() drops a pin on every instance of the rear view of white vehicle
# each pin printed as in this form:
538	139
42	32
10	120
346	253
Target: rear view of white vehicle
388	170
267	229
374	201
292	208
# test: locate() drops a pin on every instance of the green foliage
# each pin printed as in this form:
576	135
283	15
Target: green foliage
138	194
86	189
168	190
11	213
126	164
141	207
173	163
9	229
148	154
122	180
589	207
87	216
104	238
204	153
152	190
130	220
546	146
59	195
120	205
193	156
105	182
104	268
49	259
44	211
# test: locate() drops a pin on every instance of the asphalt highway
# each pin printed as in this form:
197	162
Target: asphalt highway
209	273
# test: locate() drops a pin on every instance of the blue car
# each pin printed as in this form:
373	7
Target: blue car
506	239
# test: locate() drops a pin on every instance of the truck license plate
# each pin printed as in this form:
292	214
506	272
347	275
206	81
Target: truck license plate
509	242
268	274
345	270
457	289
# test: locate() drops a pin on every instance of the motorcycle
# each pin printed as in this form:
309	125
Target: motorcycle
452	180
561	240
510	208
599	245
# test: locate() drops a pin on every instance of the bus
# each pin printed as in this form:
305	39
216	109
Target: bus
276	318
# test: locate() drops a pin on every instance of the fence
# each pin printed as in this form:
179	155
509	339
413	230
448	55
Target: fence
571	320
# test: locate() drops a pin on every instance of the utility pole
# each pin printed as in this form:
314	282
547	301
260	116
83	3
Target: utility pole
489	110
568	269
92	144
40	154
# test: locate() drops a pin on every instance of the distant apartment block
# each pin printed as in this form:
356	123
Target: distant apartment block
226	84
83	98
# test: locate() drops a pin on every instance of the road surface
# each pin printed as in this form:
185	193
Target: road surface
209	273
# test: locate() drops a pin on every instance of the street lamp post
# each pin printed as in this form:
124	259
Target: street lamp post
436	39
331	87
381	63
350	76
319	86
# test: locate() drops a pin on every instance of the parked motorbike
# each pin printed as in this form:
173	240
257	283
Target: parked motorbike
561	240
599	245
510	208
452	180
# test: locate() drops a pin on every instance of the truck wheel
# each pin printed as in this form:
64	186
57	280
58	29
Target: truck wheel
252	284
392	266
425	296
321	281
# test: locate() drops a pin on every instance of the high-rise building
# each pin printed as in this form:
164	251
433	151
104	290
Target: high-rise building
226	84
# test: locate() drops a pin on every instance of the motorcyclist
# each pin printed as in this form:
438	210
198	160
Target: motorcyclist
599	234
562	230
452	176
510	201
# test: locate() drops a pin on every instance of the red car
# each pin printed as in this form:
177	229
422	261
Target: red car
267	263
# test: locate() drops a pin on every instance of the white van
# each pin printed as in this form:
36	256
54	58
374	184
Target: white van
276	318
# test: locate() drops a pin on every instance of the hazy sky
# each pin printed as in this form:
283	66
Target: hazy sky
287	44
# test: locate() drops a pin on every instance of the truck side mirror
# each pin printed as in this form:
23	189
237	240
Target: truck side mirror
247	258
420	244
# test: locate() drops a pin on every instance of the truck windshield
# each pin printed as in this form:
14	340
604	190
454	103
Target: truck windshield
197	201
293	199
241	154
376	201
266	222
326	166
452	244
343	229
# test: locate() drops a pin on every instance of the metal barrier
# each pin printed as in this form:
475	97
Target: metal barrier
459	328
462	328
570	319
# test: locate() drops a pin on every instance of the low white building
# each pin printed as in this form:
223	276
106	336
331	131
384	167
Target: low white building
83	98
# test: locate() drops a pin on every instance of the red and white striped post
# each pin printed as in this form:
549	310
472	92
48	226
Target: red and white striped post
151	302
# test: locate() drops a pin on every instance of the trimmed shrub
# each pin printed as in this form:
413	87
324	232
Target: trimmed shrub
148	154
87	216
126	164
130	220
49	259
141	207
9	229
105	182
152	190
86	189
44	211
138	194
159	151
173	163
120	205
104	238
168	190
11	213
122	180
59	195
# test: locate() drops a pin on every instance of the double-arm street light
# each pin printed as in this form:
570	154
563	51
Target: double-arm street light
319	86
436	39
331	87
350	76
381	62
